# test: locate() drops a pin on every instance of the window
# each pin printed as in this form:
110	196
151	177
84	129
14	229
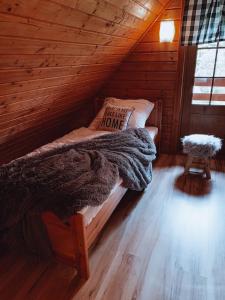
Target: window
209	79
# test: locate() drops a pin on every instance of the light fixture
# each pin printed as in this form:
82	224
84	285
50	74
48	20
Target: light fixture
167	31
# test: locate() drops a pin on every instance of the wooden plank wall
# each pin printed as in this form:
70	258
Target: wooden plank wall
152	70
54	57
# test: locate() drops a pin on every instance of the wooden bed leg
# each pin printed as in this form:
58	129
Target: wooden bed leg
188	164
78	229
207	168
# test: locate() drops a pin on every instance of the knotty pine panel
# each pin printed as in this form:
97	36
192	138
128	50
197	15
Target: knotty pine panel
151	71
53	60
54	57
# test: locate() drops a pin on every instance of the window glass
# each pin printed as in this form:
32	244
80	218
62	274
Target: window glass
220	63
222	44
209	84
205	62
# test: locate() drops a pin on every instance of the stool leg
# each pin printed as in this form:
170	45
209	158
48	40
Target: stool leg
207	168
188	164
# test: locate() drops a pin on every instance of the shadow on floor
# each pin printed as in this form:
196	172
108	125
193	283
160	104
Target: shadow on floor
121	213
193	184
33	279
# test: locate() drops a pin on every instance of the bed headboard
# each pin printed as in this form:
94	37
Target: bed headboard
155	118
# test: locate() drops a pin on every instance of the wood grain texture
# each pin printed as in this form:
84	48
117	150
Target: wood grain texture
54	57
152	70
165	243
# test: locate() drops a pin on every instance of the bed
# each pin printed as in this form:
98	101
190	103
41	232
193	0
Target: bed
71	241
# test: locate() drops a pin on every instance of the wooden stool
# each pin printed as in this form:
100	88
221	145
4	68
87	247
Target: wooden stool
204	163
200	148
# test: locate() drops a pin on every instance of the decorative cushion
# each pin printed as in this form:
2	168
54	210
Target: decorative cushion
143	108
201	145
115	118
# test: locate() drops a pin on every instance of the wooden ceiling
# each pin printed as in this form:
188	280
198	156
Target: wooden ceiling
54	57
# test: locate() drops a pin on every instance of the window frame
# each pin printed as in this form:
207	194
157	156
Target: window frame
210	103
188	71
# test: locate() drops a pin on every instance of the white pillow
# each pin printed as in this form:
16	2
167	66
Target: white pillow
143	108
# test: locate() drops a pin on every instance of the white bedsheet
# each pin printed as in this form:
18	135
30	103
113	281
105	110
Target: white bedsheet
81	134
84	133
76	135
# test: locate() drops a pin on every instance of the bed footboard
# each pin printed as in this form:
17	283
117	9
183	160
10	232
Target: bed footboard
71	242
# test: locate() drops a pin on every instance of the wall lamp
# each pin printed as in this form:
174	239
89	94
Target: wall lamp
167	31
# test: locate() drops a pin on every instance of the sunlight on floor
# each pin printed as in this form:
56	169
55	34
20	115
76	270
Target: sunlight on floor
193	220
195	225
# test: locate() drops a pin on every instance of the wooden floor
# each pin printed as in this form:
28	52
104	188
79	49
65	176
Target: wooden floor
167	243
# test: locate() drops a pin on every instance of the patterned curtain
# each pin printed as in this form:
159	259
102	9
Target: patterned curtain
203	22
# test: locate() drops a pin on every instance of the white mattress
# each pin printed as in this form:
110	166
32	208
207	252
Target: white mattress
90	212
78	135
84	133
81	134
153	131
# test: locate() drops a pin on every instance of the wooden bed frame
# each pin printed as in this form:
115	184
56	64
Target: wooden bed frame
71	242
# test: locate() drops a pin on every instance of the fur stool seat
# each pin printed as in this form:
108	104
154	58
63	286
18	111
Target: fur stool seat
200	148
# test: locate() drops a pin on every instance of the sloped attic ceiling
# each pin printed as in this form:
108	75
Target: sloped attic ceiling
54	56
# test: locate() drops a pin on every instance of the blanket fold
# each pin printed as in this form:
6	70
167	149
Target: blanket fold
74	175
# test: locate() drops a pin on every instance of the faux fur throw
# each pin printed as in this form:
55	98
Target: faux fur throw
74	175
201	145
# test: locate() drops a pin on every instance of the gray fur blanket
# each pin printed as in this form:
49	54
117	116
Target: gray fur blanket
74	175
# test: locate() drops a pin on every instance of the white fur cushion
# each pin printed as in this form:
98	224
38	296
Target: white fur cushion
142	110
201	145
